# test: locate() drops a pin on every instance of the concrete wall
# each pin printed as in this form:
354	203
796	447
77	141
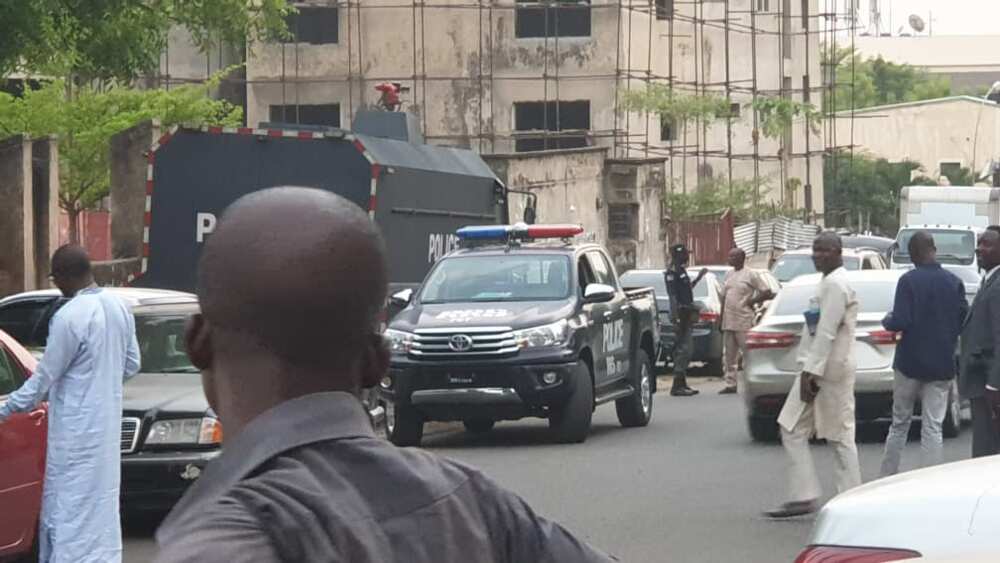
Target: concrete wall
928	132
580	186
17	251
129	166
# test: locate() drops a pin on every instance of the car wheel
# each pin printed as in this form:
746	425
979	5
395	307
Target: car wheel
570	423
952	425
762	429
403	424
479	425
636	410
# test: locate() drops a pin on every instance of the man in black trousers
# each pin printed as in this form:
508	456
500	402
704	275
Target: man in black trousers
980	343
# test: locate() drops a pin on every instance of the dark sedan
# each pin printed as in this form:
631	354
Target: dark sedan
707	333
169	433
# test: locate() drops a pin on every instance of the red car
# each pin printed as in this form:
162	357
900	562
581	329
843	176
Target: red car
22	456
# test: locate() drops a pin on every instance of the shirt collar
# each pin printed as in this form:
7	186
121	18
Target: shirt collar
989	274
304	420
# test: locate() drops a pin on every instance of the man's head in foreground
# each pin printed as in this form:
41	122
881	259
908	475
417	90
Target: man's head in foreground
291	284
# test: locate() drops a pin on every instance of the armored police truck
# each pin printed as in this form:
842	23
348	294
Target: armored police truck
520	322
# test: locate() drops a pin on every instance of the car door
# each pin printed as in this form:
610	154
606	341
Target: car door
22	463
616	330
594	312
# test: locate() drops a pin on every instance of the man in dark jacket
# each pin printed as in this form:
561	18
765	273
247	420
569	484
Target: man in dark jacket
980	378
929	309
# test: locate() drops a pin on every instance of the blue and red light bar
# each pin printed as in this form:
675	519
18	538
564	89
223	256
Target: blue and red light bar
519	231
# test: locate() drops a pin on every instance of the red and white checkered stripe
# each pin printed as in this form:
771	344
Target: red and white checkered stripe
376	169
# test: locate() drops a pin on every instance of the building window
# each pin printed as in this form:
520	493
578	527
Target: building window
553	18
734	110
304	114
664	9
805	15
668	129
569	121
316	25
806	94
763	5
951	170
623	221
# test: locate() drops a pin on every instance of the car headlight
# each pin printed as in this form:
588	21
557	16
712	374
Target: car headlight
185	431
399	342
555	334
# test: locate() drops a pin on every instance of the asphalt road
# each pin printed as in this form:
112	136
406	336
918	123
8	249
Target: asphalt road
687	488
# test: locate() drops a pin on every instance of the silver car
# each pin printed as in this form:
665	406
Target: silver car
771	364
944	513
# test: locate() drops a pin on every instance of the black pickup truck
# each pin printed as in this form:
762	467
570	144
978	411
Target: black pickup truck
515	326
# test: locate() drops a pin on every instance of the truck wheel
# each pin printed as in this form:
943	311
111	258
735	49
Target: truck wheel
403	425
570	424
479	425
762	429
636	410
952	425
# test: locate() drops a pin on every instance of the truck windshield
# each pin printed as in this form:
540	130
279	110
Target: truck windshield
498	278
161	343
953	247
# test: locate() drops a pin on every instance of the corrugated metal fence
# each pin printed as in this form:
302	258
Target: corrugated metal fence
774	234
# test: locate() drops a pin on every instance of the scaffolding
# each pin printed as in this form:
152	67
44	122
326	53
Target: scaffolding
467	62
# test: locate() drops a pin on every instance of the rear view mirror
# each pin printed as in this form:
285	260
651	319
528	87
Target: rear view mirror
598	293
402	298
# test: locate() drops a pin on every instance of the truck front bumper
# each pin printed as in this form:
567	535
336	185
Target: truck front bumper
499	391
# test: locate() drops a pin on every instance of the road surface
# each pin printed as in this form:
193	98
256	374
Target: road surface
687	488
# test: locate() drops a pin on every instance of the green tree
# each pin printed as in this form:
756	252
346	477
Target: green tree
678	107
863	186
104	40
871	82
86	123
748	200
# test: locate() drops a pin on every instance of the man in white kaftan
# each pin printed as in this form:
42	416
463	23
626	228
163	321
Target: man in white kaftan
821	401
91	349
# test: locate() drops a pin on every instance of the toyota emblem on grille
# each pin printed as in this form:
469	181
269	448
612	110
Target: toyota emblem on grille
460	343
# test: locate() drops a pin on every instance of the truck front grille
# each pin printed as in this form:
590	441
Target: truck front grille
449	343
130	434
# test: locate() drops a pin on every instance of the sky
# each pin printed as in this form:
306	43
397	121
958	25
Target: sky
951	17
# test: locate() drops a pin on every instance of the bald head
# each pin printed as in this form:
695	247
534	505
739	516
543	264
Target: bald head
299	271
921	248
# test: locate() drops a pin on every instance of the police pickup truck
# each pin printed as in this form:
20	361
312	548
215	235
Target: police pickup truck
520	322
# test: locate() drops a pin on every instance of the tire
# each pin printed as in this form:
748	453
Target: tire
570	424
478	425
404	425
952	425
762	429
636	411
713	367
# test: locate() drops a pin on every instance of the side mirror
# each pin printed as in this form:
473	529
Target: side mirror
530	213
402	298
598	293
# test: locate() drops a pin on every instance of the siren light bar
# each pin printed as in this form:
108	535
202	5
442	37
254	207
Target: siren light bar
518	231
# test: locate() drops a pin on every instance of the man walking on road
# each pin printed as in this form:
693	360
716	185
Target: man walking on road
91	349
291	285
742	290
929	309
821	400
680	289
979	380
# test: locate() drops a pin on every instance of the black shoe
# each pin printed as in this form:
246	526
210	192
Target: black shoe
728	390
683	391
793	509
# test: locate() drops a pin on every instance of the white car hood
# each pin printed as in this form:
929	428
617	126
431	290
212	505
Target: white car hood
936	511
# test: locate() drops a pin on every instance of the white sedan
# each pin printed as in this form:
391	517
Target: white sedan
943	513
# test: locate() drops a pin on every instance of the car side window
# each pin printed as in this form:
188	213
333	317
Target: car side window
10	376
585	274
601	268
20	318
866	264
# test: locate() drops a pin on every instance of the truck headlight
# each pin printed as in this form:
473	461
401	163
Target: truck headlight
399	342
185	431
555	334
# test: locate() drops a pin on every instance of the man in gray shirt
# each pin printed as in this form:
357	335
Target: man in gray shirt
285	342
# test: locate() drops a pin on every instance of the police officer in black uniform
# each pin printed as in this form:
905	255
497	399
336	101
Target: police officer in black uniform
684	313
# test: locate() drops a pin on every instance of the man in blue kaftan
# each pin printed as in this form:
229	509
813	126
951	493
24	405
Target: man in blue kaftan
91	350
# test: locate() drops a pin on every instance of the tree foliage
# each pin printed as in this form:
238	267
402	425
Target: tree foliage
676	106
867	82
85	124
120	40
867	187
778	114
748	200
